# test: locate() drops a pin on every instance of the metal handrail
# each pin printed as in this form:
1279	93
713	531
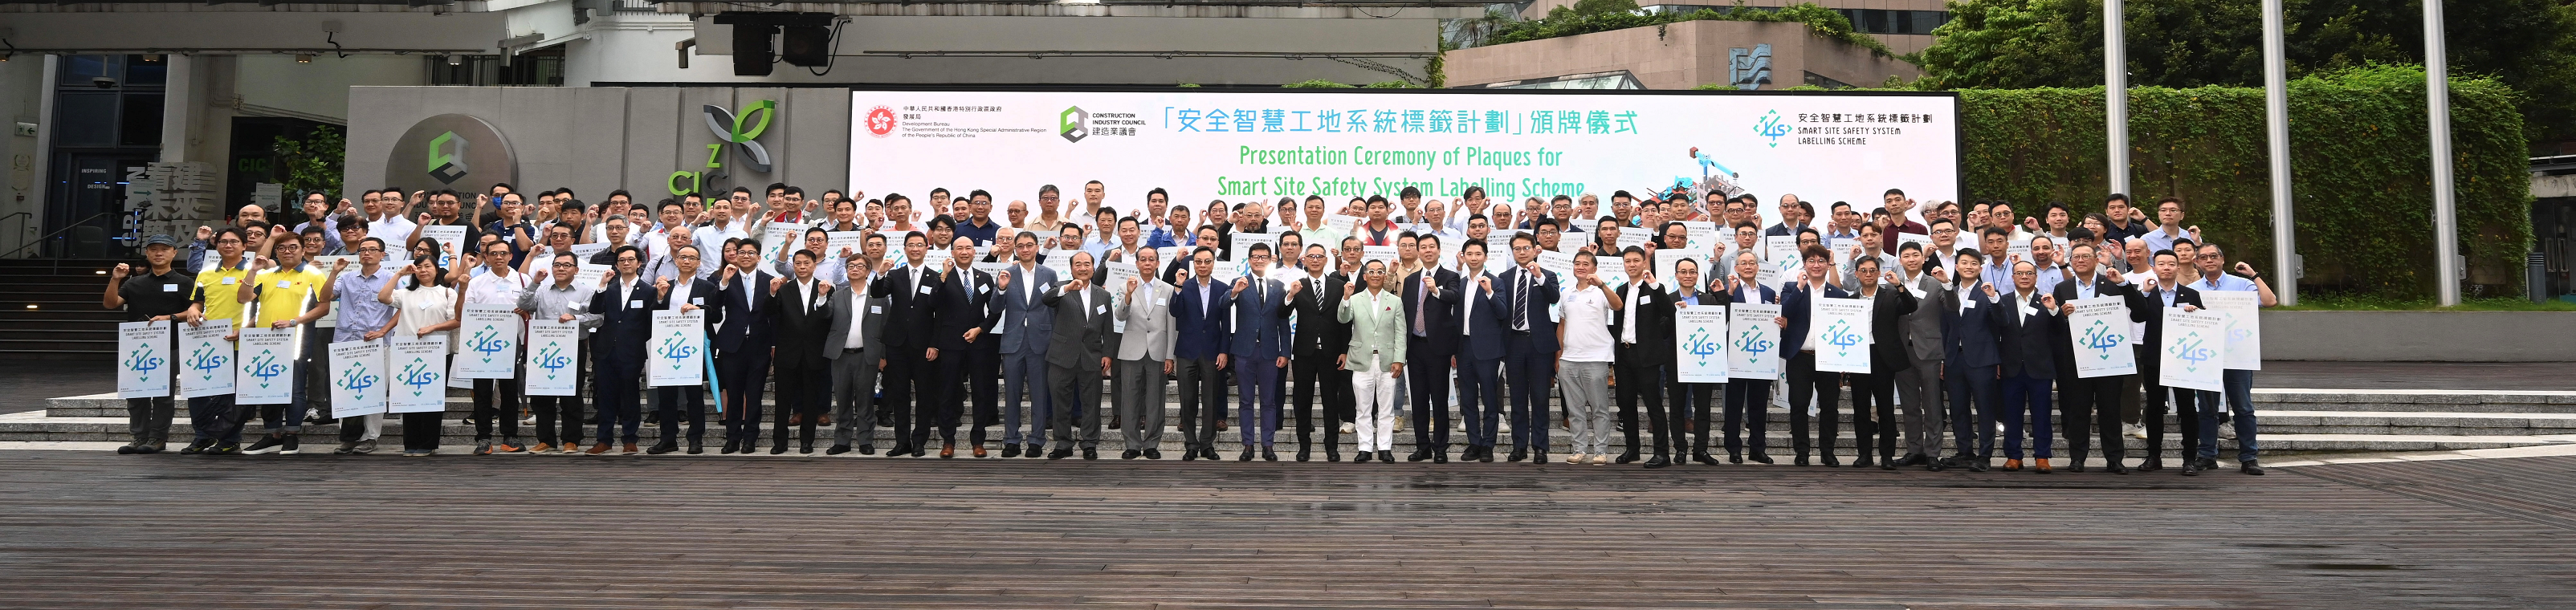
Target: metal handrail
22	225
41	238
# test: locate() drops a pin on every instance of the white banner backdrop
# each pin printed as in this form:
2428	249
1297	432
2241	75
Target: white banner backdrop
1263	145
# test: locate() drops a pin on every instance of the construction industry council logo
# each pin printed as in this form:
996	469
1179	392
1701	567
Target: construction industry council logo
451	151
742	131
1070	124
880	121
1771	127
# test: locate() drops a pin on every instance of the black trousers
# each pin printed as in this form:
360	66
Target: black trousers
904	384
1873	392
1430	391
936	397
496	400
1309	370
1972	409
1825	389
420	430
2091	403
554	414
2183	400
798	394
696	397
744	375
984	384
1641	378
1696	395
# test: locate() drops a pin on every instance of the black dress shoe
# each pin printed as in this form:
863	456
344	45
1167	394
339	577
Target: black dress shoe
2191	468
1938	465
666	446
1519	454
1419	454
1363	457
1832	462
919	451
1189	455
1209	453
777	448
867	450
837	450
2248	467
1303	454
1267	456
1060	453
2209	463
1386	456
728	448
1090	453
2153	463
697	448
1802	461
1538	457
1860	462
1629	457
1440	457
1761	457
1010	450
805	448
1246	457
2117	469
1153	454
1977	465
1706	459
1485	454
2077	467
1332	455
1658	462
1129	454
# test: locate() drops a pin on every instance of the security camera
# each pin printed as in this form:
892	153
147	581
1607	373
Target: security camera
102	82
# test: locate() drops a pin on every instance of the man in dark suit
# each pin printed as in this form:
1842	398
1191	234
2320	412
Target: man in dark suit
1024	330
625	306
2091	402
1798	304
1687	293
1199	310
1430	340
1077	359
1748	401
855	345
1973	354
1529	345
911	291
958	318
804	317
1641	335
1480	353
689	293
2164	291
1259	348
743	318
1919	387
1889	305
1316	350
2024	321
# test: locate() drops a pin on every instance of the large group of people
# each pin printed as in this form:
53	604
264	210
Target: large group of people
866	313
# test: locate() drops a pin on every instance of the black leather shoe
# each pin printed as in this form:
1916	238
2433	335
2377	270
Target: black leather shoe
1129	454
1440	457
1060	453
837	450
1629	457
1363	457
2191	468
1802	461
1861	462
1761	457
1332	455
1705	459
1010	450
920	451
1304	453
1386	456
1267	456
1887	464
1538	457
2209	463
2077	467
1090	453
1977	465
776	448
2117	469
802	448
1189	454
697	448
1153	454
1485	454
666	446
2153	463
1419	454
1832	462
1658	462
1208	453
1519	454
2248	467
867	450
1246	457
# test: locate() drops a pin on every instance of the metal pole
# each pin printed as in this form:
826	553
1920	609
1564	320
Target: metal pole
2276	111
2115	91
2437	101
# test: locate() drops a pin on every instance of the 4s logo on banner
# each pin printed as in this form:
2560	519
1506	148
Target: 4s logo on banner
143	348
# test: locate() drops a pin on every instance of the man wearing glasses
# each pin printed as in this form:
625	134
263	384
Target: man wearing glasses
1259	347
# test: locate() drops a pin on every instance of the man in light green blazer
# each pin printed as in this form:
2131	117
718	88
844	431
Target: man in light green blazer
1376	359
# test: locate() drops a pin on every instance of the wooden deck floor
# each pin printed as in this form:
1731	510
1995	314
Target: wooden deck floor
107	531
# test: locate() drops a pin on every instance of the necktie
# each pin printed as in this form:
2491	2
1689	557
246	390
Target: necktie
1520	304
1421	296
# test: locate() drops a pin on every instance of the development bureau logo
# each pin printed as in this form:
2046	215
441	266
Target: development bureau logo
1770	126
880	121
1070	124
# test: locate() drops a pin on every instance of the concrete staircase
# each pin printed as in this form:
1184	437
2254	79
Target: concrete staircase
2304	423
49	310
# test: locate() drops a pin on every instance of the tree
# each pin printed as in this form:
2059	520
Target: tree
2529	45
312	164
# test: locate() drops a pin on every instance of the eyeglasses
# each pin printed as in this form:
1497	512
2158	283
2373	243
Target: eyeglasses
685	257
370	250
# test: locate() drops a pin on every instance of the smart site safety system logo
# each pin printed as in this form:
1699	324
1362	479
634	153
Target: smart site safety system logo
1770	127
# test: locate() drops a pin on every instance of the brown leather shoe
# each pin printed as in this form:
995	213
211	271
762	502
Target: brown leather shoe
826	420
795	419
979	450
630	449
597	449
2012	465
542	448
2043	465
947	450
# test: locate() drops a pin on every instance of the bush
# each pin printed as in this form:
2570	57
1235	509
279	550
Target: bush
1562	22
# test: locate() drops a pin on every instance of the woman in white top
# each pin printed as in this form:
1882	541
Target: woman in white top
1585	373
423	304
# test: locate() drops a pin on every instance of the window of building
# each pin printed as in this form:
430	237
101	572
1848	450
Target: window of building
539	68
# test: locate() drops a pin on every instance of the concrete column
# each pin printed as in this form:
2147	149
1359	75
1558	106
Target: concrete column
178	105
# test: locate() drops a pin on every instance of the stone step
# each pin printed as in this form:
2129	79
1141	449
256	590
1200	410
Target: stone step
2493	401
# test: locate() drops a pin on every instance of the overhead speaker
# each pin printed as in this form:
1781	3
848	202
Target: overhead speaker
806	45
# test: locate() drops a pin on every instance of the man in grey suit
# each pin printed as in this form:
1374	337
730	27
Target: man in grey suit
1077	358
1918	387
856	346
1144	357
1027	324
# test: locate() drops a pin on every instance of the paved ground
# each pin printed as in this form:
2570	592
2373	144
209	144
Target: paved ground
25	384
92	530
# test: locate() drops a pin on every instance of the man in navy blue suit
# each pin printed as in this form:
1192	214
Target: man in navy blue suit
1971	352
625	305
1199	310
1259	346
1798	304
1529	344
1026	324
1480	353
911	291
1430	339
742	341
2024	320
1748	400
689	293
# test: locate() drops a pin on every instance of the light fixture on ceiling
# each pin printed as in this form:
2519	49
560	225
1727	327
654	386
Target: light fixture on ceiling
303	58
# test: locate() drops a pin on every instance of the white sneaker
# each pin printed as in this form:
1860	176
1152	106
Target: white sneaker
2134	430
1346	428
1576	458
1600	459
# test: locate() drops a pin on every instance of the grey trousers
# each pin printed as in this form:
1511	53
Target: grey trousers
1077	406
1918	391
854	407
1139	391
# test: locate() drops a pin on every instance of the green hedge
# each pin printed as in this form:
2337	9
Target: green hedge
1824	21
2359	170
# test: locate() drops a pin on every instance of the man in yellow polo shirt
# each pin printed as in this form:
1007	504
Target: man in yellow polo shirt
283	293
217	422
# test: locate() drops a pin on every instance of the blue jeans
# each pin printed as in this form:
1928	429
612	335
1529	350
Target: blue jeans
2023	393
2240	398
290	416
215	418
